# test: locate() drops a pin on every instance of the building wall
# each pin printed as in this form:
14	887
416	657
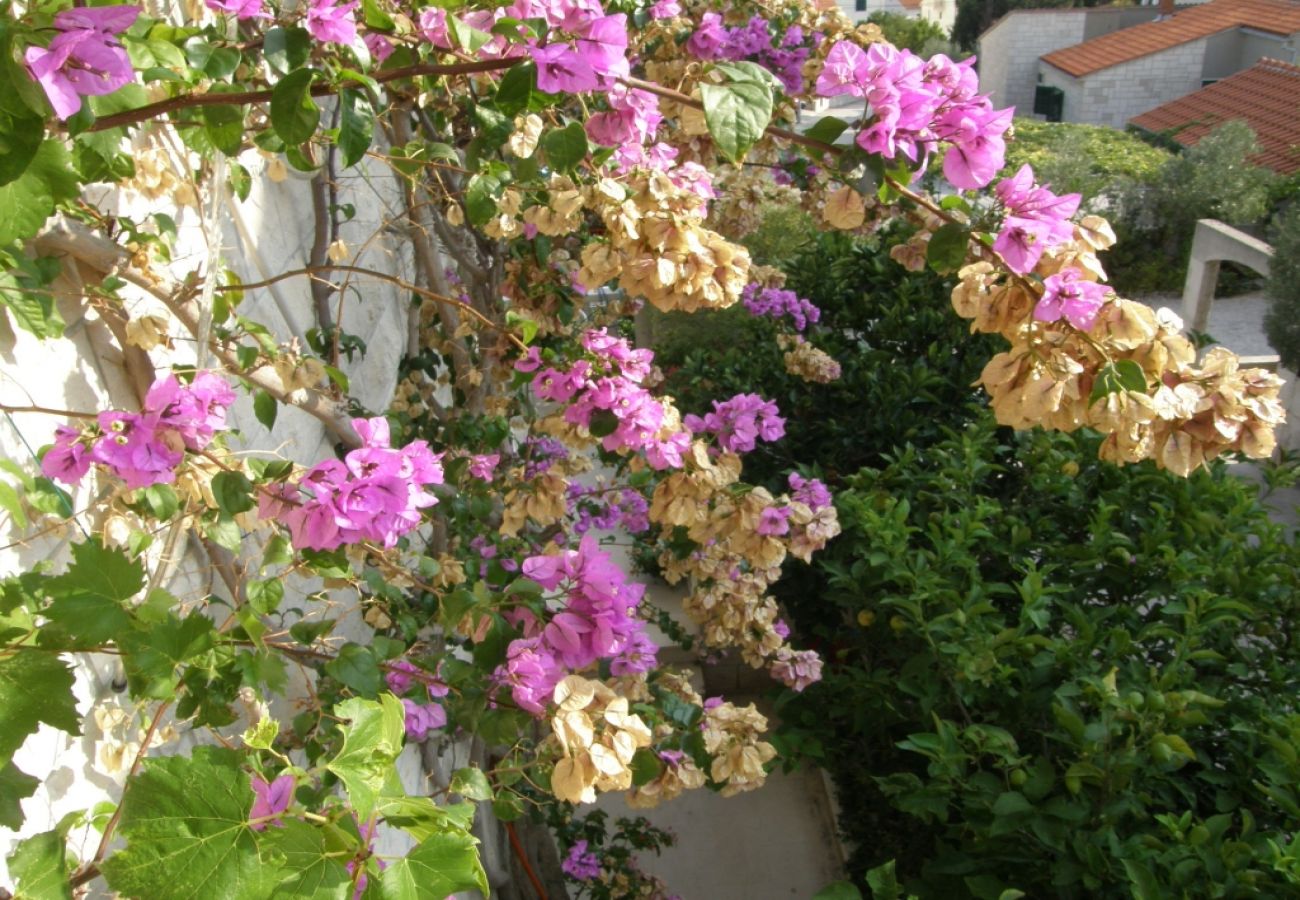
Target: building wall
1009	51
851	9
1113	96
1104	20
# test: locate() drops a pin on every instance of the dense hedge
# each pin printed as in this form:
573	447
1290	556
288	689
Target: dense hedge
1044	674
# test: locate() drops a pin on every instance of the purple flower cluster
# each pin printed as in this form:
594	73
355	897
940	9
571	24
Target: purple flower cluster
777	303
738	424
541	454
85	58
421	718
607	387
598	622
1036	220
374	494
811	492
580	864
607	508
332	24
632	119
145	448
915	104
753	41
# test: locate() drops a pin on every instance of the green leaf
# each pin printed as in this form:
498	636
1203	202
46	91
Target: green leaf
47	497
946	251
481	198
265	408
356	127
421	817
371	741
185	823
49	180
285	49
839	890
441	865
294	115
1124	375
516	88
469	37
15	784
737	114
1143	884
223	532
20	137
12	504
233	492
645	766
152	656
315	856
827	130
265	596
224	127
356	667
471	784
883	882
89	599
39	866
161	500
565	147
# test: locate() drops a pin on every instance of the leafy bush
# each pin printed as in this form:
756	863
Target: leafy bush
1156	220
907	359
1098	162
1283	320
921	36
1074	682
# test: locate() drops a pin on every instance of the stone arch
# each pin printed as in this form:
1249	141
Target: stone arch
1214	243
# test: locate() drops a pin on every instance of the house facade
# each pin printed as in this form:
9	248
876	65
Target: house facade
1103	66
1109	79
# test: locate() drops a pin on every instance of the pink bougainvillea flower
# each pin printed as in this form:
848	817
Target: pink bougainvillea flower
240	9
561	69
69	459
1036	220
273	798
1066	295
85	58
332	24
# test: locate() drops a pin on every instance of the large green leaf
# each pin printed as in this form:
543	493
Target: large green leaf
35	687
443	864
15	784
89	599
356	126
565	147
39	866
737	114
294	115
27	201
185	823
315	858
151	656
371	741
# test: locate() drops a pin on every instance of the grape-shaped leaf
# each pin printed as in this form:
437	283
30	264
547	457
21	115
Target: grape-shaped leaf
371	741
35	687
40	868
443	864
185	822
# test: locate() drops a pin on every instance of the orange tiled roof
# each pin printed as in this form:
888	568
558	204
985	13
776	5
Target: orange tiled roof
1266	96
1189	24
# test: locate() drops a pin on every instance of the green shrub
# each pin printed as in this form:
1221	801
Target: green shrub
1099	162
1065	678
1282	323
908	361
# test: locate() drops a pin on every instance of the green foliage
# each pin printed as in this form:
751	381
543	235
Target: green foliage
907	359
921	36
1283	320
1071	681
1093	160
185	821
1156	219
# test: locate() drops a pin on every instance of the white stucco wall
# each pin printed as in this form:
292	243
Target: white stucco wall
1009	51
1113	96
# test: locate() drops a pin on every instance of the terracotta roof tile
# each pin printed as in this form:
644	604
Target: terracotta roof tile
1266	96
1188	24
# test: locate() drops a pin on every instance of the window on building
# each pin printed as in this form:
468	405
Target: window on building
1049	101
859	5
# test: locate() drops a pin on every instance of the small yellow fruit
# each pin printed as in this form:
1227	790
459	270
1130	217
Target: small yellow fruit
1070	469
866	617
898	623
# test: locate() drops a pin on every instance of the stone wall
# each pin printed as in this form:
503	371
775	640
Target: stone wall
1116	94
1009	52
